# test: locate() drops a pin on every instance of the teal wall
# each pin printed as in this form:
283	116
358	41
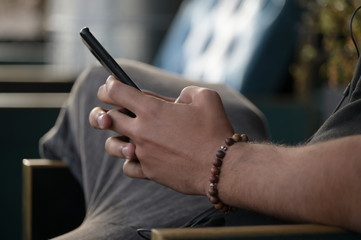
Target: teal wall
21	129
291	121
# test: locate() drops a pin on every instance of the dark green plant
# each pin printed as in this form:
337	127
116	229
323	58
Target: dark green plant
327	55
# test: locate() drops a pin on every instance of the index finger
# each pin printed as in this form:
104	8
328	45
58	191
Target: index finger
119	94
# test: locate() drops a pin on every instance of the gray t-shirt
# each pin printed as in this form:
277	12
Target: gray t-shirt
347	120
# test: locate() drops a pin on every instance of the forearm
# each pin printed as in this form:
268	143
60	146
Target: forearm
316	183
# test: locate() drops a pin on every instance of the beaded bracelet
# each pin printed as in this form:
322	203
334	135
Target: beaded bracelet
216	170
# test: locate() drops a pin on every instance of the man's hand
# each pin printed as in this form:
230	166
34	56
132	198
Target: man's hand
174	140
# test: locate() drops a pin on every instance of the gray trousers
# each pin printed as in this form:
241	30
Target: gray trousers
116	205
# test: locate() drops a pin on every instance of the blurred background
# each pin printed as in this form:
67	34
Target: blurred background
294	58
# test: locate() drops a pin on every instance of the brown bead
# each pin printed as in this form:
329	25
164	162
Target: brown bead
236	137
244	138
213	192
229	141
220	154
213	179
219	205
215	171
214	199
217	162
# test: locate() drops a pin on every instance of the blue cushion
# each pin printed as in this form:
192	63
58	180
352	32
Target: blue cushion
245	44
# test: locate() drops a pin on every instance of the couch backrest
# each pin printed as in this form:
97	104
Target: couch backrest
246	44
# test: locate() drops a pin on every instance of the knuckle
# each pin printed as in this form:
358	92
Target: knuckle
140	133
152	109
210	96
189	89
208	92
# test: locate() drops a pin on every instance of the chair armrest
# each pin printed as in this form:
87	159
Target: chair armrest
292	231
53	201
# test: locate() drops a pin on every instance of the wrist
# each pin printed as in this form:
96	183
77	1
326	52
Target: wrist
232	176
213	192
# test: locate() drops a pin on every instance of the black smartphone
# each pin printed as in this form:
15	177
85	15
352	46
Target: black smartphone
104	57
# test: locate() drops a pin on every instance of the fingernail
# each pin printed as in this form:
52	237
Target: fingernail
100	120
125	152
